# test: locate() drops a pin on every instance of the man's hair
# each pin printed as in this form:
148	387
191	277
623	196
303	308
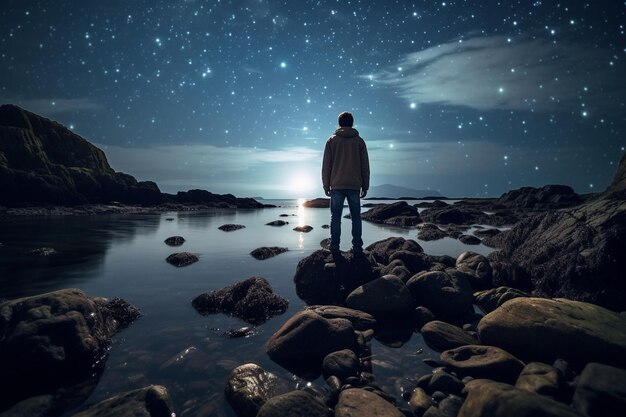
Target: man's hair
345	119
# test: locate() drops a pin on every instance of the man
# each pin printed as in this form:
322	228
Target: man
345	175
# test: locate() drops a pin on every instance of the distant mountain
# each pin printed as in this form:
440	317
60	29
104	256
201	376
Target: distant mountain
394	191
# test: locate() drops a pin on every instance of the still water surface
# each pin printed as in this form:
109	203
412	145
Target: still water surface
172	345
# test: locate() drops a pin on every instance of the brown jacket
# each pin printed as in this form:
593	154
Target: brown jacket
346	164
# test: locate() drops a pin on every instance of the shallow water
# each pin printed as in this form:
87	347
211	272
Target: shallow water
124	256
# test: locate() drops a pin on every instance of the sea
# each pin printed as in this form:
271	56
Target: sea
172	345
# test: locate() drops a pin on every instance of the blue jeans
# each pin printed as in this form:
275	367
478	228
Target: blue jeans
337	198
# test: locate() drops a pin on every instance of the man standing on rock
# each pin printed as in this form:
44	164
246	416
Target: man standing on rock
345	175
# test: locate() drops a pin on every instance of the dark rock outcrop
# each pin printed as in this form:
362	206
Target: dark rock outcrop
360	320
252	300
277	223
182	259
489	300
544	198
55	340
266	252
250	386
356	402
442	336
483	362
304	229
43	162
152	401
601	391
399	214
342	364
447	294
231	227
317	203
174	241
294	404
463	214
541	378
477	268
386	296
209	199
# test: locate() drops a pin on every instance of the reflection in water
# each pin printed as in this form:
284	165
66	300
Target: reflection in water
301	221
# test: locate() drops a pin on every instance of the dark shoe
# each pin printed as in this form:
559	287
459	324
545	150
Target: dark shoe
334	249
357	250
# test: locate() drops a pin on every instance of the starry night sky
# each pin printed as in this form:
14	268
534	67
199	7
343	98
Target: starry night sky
470	98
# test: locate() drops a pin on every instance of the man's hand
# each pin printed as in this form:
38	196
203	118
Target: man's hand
363	193
327	192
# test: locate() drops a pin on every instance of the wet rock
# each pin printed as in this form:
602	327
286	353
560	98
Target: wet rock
41	252
182	259
355	402
495	399
489	300
266	252
544	198
429	232
317	203
463	215
360	320
420	401
487	233
443	336
304	229
245	331
540	378
250	386
325	226
483	362
445	382
543	330
252	300
151	401
400	214
321	278
601	391
306	338
448	407
469	240
477	268
53	340
294	404
383	297
383	249
277	223
413	261
231	227
447	294
342	364
174	241
421	316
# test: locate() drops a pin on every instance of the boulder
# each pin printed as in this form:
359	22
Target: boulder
182	259
356	402
414	261
306	338
56	339
266	252
469	240
151	401
420	401
494	399
317	203
442	336
250	386
321	278
447	294
277	223
489	300
601	391
445	382
360	320
483	362
342	364
252	300
448	407
477	268
483	233
383	249
538	329
399	214
294	404
383	297
231	227
549	197
429	231
304	229
174	241
540	378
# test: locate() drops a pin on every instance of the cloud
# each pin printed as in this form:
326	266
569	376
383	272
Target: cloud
51	106
493	73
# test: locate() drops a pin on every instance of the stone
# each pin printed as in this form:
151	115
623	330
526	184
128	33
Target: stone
543	330
447	294
294	404
421	316
489	300
445	382
477	268
383	249
304	229
400	213
151	401
317	203
540	378
383	297
54	340
249	386
277	223
182	259
360	320
321	278
306	338
252	300
266	252
483	362
174	241
342	364
413	261
469	240
420	401
487	233
356	402
487	398
442	336
231	227
448	407
429	232
601	391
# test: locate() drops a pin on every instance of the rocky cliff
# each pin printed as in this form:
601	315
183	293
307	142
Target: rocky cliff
43	162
